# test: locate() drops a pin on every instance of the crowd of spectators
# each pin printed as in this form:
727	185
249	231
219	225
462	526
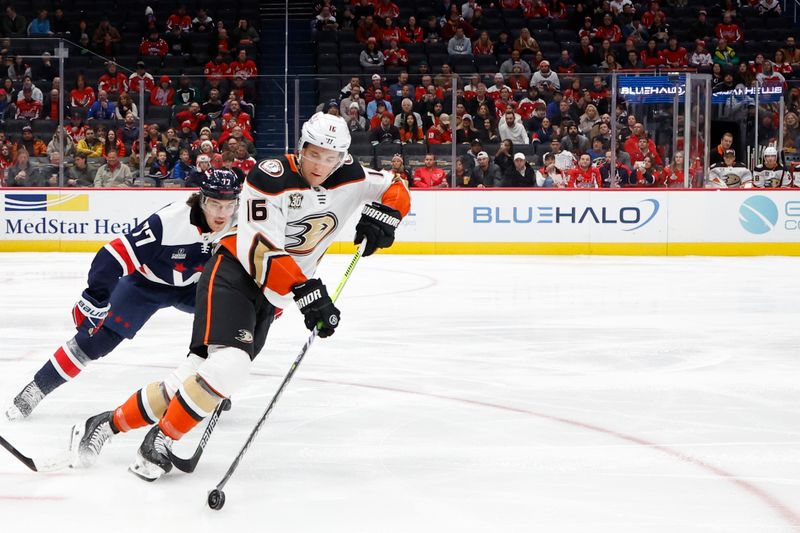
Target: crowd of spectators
532	100
196	74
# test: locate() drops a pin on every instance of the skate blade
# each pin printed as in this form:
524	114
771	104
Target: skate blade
145	470
74	446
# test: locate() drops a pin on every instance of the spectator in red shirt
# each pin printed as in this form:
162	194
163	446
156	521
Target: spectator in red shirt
453	23
429	176
729	30
532	9
584	175
236	114
650	56
242	159
163	94
180	20
193	116
368	29
411	33
674	55
647	175
242	66
394	55
609	30
153	45
141	78
113	82
389	31
216	69
649	17
483	46
386	9
440	132
82	95
27	107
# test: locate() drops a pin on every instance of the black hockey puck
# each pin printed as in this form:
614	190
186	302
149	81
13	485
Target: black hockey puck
216	499
226	404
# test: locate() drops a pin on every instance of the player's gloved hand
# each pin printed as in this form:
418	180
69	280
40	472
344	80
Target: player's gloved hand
377	225
89	313
313	301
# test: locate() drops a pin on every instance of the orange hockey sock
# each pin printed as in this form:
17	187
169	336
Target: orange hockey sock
192	403
144	407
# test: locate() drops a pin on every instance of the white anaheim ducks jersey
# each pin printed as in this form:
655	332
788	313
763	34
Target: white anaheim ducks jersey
721	176
765	178
285	226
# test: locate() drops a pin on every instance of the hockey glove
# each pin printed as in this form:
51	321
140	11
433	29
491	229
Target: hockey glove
313	301
377	225
89	314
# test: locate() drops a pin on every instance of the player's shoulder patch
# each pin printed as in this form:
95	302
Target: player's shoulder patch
275	175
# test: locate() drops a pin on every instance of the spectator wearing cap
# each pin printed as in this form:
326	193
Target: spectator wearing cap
331	107
486	173
430	176
33	145
153	45
702	28
27	107
355	120
398	168
354	98
371	57
498	85
512	129
520	174
187	134
440	132
545	79
467	132
376	82
90	146
372	107
102	109
507	67
163	94
385	131
700	57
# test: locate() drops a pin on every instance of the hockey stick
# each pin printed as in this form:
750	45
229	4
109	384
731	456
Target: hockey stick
216	498
57	462
188	465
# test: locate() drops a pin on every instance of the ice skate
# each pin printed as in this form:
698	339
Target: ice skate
25	402
87	439
152	460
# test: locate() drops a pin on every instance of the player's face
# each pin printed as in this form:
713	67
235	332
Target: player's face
218	212
316	163
770	160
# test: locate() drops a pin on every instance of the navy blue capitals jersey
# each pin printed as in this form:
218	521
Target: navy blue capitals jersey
168	249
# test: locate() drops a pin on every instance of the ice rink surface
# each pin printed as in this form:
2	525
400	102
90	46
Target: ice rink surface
460	394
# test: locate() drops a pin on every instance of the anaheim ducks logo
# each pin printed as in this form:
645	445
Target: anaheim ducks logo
732	180
309	232
348	159
271	167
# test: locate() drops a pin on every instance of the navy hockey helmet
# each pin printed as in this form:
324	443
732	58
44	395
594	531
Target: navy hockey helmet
221	184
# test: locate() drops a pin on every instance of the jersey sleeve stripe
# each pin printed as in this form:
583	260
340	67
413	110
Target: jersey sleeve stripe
397	197
123	265
131	253
122	254
283	274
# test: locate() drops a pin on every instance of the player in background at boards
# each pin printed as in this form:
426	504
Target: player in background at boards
292	208
156	265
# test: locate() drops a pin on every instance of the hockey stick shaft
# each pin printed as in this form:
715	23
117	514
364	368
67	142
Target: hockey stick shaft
289	375
46	465
189	465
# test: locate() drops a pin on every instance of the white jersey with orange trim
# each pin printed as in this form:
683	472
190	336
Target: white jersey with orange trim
769	178
285	226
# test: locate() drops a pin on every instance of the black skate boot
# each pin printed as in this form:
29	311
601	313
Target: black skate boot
152	460
88	439
25	402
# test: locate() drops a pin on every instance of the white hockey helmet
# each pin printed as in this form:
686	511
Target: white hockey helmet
770	150
326	131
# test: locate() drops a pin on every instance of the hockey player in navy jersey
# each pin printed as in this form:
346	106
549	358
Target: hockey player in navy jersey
156	265
292	208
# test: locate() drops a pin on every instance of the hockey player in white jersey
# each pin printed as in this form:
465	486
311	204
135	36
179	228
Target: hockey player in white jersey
292	208
770	174
729	174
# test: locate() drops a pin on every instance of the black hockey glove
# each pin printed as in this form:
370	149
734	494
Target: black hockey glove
313	301
377	225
